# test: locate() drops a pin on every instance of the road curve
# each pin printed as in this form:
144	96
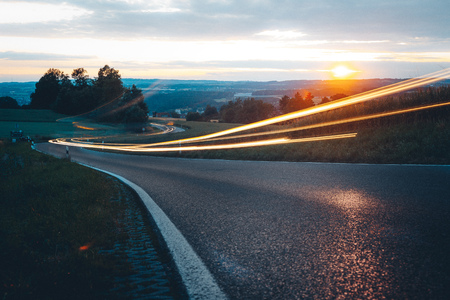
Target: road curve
274	230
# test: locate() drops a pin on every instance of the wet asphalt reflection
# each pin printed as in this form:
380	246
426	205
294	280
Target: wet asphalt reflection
269	230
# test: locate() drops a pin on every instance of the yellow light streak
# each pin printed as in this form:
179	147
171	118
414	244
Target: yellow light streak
210	147
362	97
380	92
325	124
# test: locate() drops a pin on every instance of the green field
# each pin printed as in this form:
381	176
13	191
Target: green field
42	125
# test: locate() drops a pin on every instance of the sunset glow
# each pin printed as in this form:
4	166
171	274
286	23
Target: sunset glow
342	72
228	40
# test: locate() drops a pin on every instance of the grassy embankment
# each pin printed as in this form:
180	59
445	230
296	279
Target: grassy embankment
58	220
64	231
55	217
421	137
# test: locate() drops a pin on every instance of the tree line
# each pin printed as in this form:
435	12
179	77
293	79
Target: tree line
104	97
251	110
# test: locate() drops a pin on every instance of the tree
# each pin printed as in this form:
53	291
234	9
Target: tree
174	114
338	96
193	116
8	102
109	84
325	100
288	105
55	91
308	101
210	112
229	112
48	88
254	110
78	98
81	78
283	103
247	111
131	108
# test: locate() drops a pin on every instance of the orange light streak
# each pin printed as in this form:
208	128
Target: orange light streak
211	147
330	123
380	92
82	127
366	96
85	247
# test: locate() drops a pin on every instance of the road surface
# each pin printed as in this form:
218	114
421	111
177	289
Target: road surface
275	230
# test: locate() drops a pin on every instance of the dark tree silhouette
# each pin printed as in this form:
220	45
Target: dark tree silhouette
193	116
109	84
48	88
288	105
247	111
8	102
338	96
131	108
324	100
210	113
81	78
105	95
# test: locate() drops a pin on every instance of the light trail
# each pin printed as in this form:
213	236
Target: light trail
322	124
82	127
380	92
209	147
362	97
164	129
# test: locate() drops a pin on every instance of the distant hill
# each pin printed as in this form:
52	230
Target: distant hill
168	95
20	91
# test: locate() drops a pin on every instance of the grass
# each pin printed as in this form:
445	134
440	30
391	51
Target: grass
35	115
424	142
42	125
57	222
51	229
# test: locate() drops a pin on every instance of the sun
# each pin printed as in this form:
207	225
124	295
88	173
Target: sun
342	72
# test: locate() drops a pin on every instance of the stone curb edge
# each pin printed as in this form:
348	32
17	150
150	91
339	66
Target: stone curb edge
199	282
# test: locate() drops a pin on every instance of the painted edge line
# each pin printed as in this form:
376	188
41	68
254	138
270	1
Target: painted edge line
199	282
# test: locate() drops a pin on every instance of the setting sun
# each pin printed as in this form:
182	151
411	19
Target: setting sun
342	72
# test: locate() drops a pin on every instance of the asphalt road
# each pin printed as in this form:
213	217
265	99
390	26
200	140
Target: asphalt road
274	230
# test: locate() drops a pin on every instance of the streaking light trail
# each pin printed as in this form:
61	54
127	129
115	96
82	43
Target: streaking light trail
208	147
330	123
380	92
376	93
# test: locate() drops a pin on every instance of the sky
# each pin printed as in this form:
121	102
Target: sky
256	40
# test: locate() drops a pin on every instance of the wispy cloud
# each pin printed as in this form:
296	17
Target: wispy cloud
11	55
288	34
26	12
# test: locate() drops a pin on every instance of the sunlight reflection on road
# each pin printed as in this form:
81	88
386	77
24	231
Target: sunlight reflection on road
357	263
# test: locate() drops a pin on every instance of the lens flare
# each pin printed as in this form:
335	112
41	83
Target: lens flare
342	72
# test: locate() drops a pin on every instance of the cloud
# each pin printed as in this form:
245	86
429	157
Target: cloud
26	12
233	19
29	56
223	34
277	34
